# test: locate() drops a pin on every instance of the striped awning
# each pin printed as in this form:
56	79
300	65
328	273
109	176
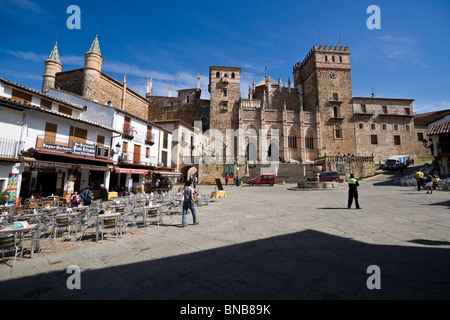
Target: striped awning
441	128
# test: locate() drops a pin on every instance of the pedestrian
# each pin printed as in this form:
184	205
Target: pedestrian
412	162
86	196
195	180
419	177
189	197
435	181
401	169
226	179
353	191
428	182
103	193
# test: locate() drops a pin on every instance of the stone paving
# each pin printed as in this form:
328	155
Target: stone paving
263	243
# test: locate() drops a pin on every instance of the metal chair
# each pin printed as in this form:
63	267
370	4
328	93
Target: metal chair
155	215
45	231
61	223
11	243
129	218
110	224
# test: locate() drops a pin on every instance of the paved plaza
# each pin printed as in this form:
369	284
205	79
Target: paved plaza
263	243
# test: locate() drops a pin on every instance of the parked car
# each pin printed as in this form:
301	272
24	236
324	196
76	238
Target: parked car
267	178
332	176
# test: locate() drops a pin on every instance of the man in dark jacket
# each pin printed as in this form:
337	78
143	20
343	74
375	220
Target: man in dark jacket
103	193
353	191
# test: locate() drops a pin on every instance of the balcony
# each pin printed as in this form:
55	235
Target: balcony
150	139
128	132
51	142
137	159
9	149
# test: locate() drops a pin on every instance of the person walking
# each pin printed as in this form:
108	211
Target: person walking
86	196
189	196
353	191
428	183
103	193
226	179
419	177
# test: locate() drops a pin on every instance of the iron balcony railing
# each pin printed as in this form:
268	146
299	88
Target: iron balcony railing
10	149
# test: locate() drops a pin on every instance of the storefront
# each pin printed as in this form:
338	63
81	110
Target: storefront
62	176
166	179
127	179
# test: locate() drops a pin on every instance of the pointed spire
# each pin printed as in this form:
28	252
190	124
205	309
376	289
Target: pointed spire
170	91
95	47
54	55
198	81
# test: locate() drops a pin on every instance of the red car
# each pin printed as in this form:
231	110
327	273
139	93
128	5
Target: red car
332	176
267	178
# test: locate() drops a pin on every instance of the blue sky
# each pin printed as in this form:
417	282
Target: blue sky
172	41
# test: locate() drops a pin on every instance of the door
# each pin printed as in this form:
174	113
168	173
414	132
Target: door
137	154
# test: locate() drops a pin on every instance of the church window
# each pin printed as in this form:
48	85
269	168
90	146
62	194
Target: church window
233	75
225	92
326	58
217	74
292	142
187	98
332	58
309	142
335	96
340	58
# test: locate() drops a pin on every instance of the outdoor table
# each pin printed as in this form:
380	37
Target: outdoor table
31	228
101	217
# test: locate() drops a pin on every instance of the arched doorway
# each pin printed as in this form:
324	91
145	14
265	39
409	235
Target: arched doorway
187	172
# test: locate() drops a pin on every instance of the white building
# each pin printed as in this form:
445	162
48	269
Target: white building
49	143
186	146
140	153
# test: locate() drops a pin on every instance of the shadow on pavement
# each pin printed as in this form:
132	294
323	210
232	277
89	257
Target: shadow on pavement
301	265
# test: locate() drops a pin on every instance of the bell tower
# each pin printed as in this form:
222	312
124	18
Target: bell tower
325	79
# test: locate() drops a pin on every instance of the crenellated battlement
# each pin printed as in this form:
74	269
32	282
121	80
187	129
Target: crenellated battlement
322	49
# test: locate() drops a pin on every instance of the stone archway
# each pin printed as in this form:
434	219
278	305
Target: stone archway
188	171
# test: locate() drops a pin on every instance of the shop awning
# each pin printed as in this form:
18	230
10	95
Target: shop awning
130	170
167	173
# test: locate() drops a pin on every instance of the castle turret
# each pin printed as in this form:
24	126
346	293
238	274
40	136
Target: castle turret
52	67
92	69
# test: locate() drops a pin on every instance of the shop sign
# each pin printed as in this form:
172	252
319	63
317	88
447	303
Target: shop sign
103	152
92	168
46	164
56	147
84	149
